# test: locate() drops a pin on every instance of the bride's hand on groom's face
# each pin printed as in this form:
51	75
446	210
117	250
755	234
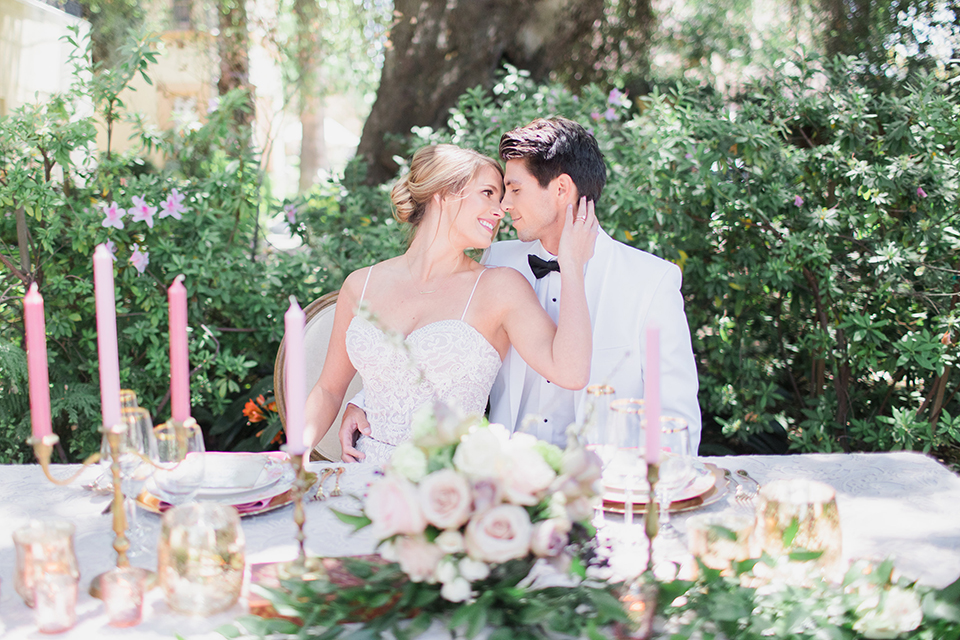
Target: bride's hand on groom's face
354	424
579	236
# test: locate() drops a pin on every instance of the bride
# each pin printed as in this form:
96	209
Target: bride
452	319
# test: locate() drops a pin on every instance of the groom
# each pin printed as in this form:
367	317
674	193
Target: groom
628	291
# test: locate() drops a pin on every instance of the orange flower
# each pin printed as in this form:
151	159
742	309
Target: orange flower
253	412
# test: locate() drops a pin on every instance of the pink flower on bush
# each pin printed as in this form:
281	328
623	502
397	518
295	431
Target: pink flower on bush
393	506
498	535
445	499
594	115
113	215
418	558
921	193
112	248
291	212
173	206
615	97
610	114
798	201
139	259
142	211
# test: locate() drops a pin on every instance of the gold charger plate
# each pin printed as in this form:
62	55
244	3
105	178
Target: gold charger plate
717	491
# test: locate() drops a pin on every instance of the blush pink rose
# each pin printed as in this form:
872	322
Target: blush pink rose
393	506
528	475
445	499
418	558
549	537
498	535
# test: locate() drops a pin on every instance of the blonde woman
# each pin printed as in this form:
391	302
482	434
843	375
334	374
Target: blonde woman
456	317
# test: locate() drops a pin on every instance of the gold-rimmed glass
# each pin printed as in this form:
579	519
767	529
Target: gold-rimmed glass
179	460
136	446
676	466
624	467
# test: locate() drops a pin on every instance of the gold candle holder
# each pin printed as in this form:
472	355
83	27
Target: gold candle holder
651	519
43	450
303	567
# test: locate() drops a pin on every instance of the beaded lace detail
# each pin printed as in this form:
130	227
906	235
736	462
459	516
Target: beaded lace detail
447	360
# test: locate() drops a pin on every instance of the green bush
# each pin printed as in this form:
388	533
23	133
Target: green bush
55	189
816	226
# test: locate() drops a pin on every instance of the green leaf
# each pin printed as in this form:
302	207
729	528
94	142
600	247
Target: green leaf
803	555
790	532
355	521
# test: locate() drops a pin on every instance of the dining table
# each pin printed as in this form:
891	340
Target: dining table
899	505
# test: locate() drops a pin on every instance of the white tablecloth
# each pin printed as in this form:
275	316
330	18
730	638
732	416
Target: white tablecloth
894	504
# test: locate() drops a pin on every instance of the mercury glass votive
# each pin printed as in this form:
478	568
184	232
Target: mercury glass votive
43	547
201	558
122	593
800	515
719	539
55	601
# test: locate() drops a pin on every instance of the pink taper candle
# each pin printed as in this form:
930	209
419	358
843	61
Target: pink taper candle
651	396
107	336
295	384
36	335
179	357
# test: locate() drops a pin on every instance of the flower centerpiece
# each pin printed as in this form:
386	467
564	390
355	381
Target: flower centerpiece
476	528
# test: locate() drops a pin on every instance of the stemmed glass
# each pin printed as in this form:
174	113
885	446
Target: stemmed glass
625	428
128	400
594	434
676	467
179	460
140	431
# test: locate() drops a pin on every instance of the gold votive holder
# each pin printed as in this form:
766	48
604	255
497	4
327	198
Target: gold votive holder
798	519
720	539
43	547
201	558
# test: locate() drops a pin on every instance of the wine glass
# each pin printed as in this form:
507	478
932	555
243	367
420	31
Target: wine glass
594	435
625	430
130	454
676	467
179	459
140	429
104	482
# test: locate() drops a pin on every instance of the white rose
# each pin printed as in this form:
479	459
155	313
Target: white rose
418	558
900	613
393	506
580	509
450	541
445	499
480	453
526	474
410	461
474	570
457	590
549	537
498	535
447	571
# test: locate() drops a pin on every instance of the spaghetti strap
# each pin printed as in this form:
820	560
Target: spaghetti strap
470	299
364	290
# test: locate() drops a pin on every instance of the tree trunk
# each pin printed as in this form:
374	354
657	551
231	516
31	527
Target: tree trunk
234	46
313	146
308	57
440	48
846	26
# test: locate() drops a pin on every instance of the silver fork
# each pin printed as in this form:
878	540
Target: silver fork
318	496
336	489
747	487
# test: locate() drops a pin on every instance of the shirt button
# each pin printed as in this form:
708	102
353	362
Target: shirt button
554	299
545	420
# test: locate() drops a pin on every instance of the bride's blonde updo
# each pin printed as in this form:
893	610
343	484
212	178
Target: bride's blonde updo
445	169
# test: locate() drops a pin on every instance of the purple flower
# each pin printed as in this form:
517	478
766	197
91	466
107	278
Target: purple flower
172	205
213	104
610	114
291	212
141	211
112	248
798	201
688	156
112	215
139	259
594	115
921	193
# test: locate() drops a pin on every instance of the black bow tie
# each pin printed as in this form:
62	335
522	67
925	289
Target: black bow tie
541	267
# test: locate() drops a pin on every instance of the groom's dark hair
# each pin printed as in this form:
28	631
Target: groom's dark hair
552	146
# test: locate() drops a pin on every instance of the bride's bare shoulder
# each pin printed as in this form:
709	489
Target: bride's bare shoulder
506	277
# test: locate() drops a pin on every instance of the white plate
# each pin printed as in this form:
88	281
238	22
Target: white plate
613	487
228	474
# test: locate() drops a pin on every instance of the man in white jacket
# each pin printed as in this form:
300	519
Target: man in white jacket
551	163
628	290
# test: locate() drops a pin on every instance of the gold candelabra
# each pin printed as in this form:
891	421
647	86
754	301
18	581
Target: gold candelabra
303	567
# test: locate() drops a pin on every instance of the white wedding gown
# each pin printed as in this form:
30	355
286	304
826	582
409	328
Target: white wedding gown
446	360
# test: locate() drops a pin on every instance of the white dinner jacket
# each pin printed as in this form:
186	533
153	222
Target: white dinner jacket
627	290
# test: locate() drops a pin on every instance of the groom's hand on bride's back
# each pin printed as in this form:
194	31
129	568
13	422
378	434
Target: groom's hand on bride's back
354	423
